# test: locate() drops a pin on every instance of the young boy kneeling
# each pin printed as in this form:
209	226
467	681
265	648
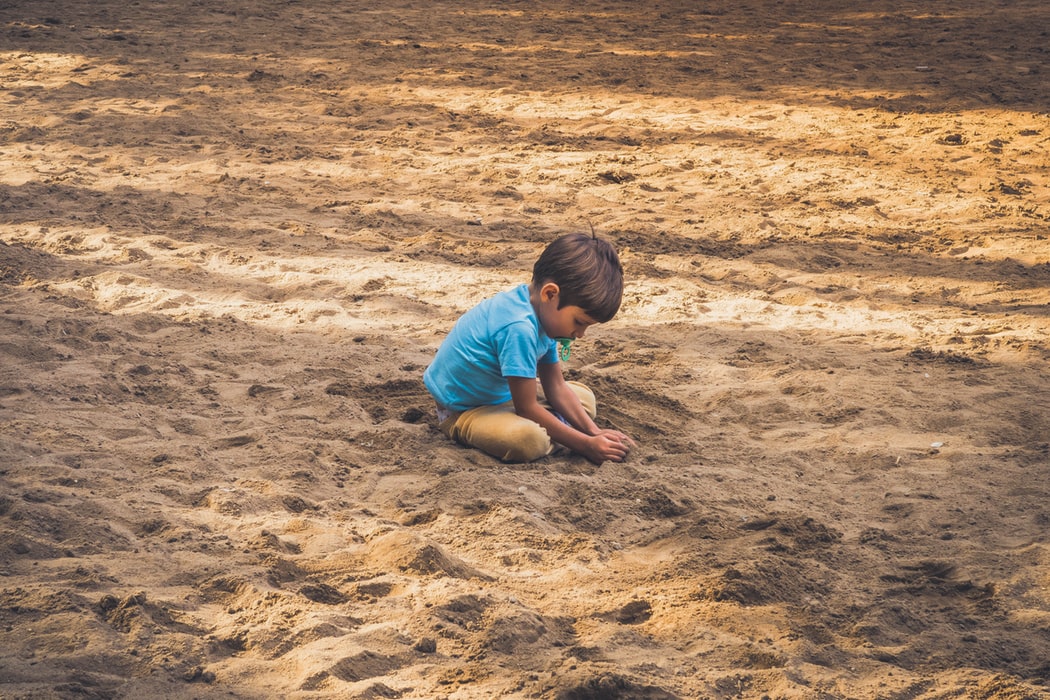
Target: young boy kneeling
484	374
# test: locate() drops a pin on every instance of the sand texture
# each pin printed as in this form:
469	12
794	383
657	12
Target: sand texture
233	234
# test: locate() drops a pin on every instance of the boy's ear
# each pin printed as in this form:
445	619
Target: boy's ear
549	291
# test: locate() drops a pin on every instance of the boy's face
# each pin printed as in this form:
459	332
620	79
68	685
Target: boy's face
566	322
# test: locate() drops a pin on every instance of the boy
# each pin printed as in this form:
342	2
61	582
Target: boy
484	374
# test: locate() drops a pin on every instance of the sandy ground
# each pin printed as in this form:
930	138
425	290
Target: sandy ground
232	235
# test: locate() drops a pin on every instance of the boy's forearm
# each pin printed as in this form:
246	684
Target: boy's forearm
598	447
568	405
565	401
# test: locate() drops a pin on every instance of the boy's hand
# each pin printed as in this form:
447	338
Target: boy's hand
608	445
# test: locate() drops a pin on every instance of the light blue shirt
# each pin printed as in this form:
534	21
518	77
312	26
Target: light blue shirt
500	337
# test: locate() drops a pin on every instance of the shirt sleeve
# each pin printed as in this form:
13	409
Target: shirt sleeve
550	357
516	349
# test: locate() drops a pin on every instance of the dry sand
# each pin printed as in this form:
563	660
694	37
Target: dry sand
232	235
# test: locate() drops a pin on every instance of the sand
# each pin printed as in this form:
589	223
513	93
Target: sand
233	234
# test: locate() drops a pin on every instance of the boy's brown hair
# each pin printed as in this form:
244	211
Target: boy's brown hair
587	271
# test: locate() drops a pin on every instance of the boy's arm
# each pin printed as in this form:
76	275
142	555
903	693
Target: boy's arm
600	447
564	400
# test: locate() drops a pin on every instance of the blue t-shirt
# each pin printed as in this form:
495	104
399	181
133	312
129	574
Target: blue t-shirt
500	337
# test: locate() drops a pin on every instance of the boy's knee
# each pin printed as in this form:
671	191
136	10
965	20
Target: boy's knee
586	397
526	442
502	434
